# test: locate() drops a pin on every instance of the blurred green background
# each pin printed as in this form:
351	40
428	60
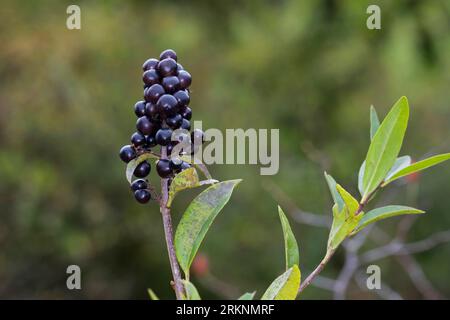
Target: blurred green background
310	68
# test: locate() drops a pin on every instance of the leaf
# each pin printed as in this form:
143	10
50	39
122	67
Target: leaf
152	294
418	166
374	122
361	177
186	179
383	213
135	162
385	146
285	287
350	202
336	196
191	290
400	163
290	243
197	219
247	296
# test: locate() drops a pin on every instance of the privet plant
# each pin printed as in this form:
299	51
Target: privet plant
163	119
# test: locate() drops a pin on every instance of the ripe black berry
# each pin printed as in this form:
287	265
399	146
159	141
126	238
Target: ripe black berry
167	67
175	121
150	77
182	97
179	67
197	136
185	79
167	105
150	64
175	164
186	125
146	126
139	184
185	165
142	196
171	84
152	93
151	141
139	108
138	139
142	170
186	113
127	153
163	136
169	53
150	110
163	168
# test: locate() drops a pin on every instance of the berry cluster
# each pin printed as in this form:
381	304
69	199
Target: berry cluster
165	108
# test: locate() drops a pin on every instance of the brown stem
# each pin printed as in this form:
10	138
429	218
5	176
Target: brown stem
168	231
316	271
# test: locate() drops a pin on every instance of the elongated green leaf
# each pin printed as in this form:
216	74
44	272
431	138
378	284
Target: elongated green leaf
334	193
285	287
383	213
350	202
385	146
191	290
184	180
247	296
197	219
135	162
374	122
418	166
152	294
361	177
290	243
400	163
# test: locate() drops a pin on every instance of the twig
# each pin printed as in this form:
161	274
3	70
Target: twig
316	271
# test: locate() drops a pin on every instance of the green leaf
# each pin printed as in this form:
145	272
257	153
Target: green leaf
186	179
334	193
400	163
197	219
383	213
350	202
135	162
374	122
152	294
247	296
290	243
191	290
361	177
418	166
285	287
385	146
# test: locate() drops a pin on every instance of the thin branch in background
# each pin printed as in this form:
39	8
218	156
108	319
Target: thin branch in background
385	292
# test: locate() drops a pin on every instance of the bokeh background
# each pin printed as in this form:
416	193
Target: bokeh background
309	68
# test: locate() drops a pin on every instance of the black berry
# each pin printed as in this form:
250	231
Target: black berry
175	164
163	136
150	77
139	108
139	184
175	121
169	53
142	196
150	110
182	97
146	126
171	84
186	113
163	168
179	67
186	125
197	136
167	105
153	93
167	67
150	64
142	170
138	139
151	141
127	153
185	79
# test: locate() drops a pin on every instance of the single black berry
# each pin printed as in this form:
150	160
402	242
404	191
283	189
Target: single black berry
171	84
182	97
127	153
139	184
151	110
138	139
150	64
146	126
167	67
163	168
169	53
150	77
197	136
185	79
151	141
185	165
175	164
142	170
163	136
152	93
179	67
142	196
186	113
175	121
186	125
167	105
139	108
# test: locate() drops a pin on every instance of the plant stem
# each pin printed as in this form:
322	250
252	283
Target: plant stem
316	271
168	231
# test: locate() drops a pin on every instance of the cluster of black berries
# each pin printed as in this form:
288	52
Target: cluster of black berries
165	108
